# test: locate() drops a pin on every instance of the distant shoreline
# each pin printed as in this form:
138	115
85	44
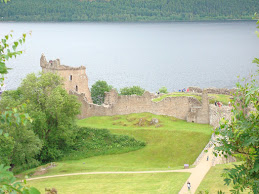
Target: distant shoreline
134	22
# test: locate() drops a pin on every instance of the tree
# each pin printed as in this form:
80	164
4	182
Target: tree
98	91
239	137
132	90
8	182
53	111
163	90
6	148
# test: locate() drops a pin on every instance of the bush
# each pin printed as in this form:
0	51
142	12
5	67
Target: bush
132	90
98	91
163	90
94	142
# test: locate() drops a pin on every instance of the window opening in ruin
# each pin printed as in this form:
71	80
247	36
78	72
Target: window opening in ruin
70	77
77	88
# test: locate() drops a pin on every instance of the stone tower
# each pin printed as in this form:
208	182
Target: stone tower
75	78
203	114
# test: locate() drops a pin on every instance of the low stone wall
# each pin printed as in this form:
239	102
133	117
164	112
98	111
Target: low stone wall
217	113
178	107
213	90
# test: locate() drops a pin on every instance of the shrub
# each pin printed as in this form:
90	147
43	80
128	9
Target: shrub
132	90
163	90
98	91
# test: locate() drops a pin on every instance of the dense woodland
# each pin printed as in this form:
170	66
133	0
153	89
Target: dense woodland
127	10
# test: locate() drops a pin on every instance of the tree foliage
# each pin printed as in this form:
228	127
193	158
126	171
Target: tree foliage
8	50
163	90
53	111
130	10
132	90
239	137
98	91
9	184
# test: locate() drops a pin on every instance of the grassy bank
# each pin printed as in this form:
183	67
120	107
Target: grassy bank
213	181
212	97
169	144
115	183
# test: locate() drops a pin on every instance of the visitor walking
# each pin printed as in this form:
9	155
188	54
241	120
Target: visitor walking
189	186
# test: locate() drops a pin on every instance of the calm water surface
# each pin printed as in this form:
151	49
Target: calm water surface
151	55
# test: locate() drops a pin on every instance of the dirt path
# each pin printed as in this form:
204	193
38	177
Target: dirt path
122	172
199	172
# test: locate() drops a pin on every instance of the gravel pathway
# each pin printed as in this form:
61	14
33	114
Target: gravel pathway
199	172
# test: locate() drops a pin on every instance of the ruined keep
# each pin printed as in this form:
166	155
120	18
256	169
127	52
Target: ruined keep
183	107
75	78
178	107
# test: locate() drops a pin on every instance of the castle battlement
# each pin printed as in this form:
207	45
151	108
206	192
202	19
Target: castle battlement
75	78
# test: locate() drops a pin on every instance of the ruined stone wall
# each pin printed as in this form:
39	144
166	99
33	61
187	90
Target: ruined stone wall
217	113
213	90
119	105
203	113
75	78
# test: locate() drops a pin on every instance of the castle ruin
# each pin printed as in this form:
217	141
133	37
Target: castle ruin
75	78
183	107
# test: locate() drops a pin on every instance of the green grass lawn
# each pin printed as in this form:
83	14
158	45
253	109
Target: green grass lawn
224	99
213	181
168	146
212	97
176	94
115	183
132	121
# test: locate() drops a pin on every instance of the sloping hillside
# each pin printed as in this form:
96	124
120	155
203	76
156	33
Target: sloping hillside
130	10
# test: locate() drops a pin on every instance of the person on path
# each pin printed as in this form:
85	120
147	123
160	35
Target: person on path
189	186
207	158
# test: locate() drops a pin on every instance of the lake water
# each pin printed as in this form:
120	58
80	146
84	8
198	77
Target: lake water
150	55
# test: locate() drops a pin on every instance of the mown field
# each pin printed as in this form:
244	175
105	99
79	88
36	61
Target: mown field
115	183
213	181
170	144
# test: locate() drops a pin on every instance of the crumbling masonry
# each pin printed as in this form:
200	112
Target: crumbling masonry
186	108
75	78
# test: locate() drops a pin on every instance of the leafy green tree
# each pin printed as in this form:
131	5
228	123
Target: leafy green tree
163	90
7	179
239	137
26	145
53	111
6	148
98	91
9	184
132	90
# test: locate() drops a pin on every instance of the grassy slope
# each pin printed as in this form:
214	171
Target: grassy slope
213	181
115	183
171	145
213	97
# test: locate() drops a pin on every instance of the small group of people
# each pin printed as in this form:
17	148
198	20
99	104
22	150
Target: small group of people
219	104
184	90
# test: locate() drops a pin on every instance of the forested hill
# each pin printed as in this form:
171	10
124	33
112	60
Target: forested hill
127	10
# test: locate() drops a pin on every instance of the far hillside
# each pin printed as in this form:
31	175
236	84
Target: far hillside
130	10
